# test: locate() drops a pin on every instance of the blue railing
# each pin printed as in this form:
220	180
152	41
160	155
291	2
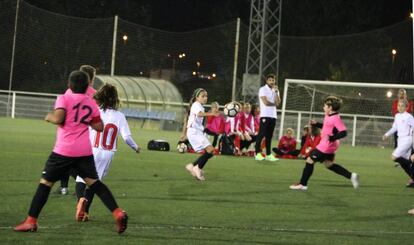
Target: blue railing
151	115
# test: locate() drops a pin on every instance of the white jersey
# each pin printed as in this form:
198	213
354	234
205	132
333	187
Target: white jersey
403	125
194	121
114	123
270	94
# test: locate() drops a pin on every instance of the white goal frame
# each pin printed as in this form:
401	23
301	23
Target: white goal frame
333	83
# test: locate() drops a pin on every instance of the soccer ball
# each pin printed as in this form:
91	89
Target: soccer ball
182	148
231	109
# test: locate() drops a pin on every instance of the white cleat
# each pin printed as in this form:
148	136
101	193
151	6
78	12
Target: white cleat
355	180
298	187
64	191
190	168
199	173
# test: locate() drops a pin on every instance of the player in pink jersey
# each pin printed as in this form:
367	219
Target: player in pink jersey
74	113
104	144
333	129
90	91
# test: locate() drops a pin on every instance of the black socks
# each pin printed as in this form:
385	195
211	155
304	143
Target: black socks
202	160
80	189
39	200
104	194
307	173
340	170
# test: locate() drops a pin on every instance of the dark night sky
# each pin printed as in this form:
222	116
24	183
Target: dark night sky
300	17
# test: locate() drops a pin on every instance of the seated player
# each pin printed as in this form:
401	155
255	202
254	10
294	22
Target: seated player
287	146
215	124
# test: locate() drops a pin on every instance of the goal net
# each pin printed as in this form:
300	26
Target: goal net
366	109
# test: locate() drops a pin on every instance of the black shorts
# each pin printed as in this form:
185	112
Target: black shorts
318	156
57	166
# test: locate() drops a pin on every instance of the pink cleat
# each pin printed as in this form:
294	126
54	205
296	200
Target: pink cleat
28	225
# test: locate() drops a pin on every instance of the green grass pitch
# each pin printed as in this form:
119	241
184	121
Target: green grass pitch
242	201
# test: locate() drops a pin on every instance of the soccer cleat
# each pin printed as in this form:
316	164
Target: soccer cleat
121	219
259	157
29	225
80	209
190	168
271	158
64	191
355	180
85	217
410	185
298	186
199	173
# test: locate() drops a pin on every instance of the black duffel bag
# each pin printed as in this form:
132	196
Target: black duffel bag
158	145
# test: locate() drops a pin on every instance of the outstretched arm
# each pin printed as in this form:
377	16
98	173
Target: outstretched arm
129	141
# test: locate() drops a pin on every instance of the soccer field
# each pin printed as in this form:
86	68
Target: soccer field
242	201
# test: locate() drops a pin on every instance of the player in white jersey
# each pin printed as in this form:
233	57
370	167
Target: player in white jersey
195	133
104	144
403	125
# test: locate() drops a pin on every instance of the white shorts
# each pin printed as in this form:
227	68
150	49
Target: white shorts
197	139
103	159
404	147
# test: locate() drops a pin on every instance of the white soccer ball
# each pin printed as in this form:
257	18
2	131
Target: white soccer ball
182	148
231	109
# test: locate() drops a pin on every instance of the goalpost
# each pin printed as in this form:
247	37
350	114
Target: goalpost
366	110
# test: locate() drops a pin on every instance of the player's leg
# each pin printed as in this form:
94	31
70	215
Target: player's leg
307	171
338	169
64	184
56	166
269	135
402	153
80	214
262	129
87	170
103	161
199	142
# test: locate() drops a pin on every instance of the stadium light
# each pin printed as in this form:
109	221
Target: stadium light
214	75
412	15
393	51
389	94
125	37
194	73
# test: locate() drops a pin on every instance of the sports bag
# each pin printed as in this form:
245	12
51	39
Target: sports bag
226	145
158	145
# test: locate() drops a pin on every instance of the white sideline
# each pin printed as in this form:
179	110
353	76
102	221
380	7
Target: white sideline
271	229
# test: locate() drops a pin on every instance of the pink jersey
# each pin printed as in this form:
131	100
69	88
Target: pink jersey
72	138
89	91
216	124
331	125
230	125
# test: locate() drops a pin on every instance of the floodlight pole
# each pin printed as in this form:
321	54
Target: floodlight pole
12	58
236	59
114	45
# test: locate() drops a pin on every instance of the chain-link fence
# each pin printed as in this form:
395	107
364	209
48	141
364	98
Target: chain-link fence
49	46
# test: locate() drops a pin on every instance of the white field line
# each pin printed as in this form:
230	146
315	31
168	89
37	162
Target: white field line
264	229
